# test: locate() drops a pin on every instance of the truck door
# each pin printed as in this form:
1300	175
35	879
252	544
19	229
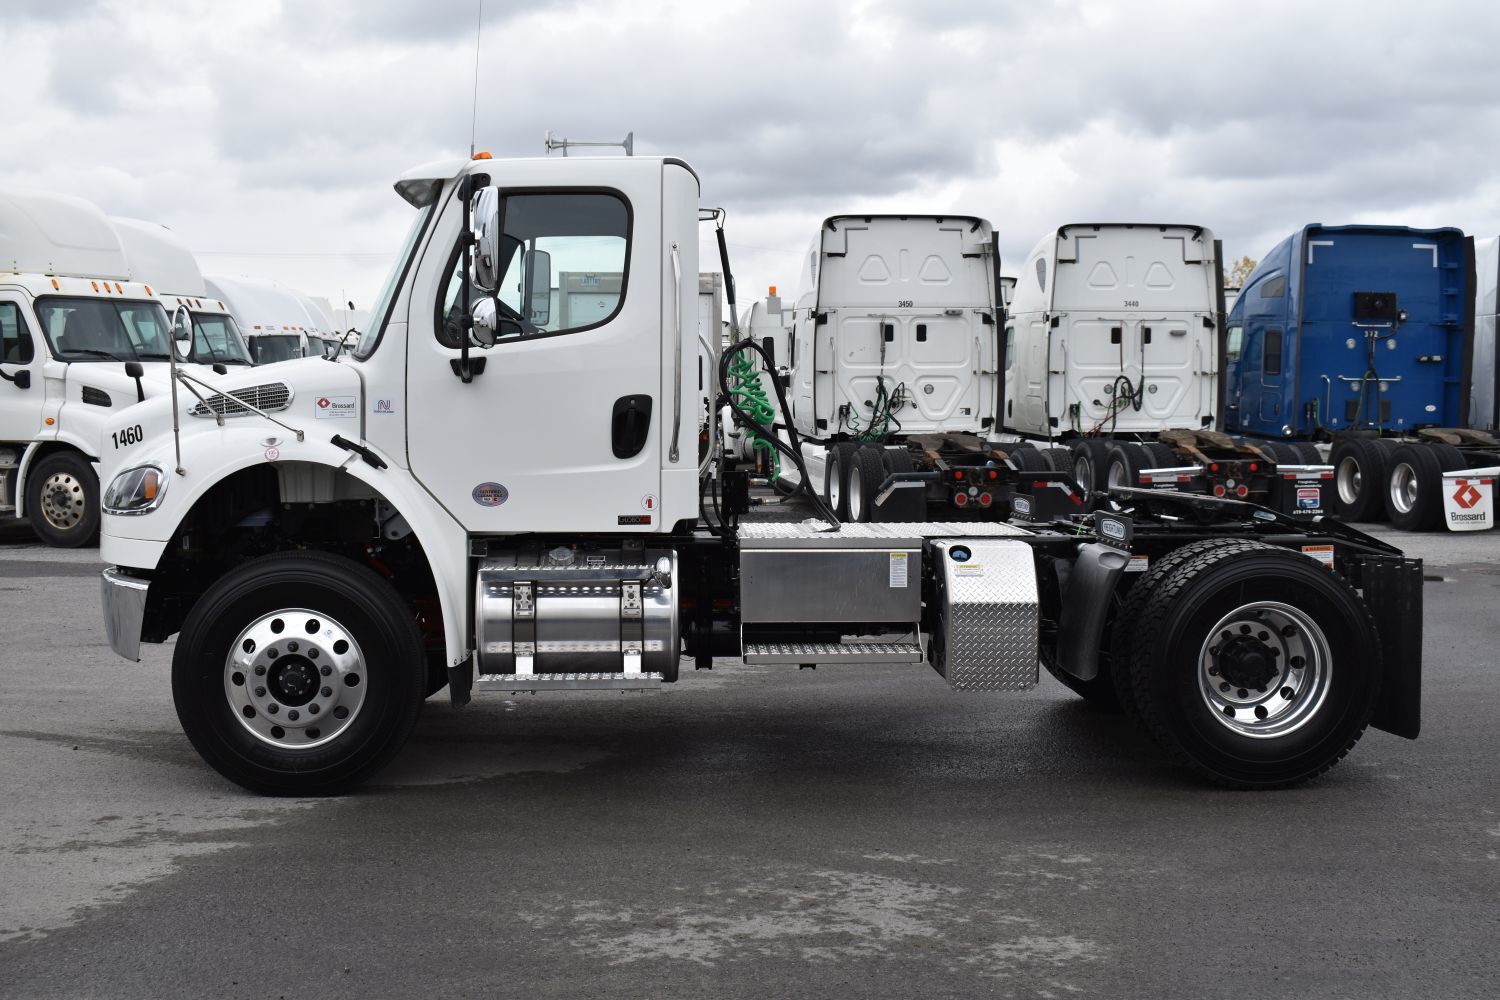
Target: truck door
20	402
561	430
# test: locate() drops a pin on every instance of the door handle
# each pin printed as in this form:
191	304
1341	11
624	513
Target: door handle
630	425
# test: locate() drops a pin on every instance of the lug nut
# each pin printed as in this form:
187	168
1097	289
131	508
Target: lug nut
326	670
260	671
260	692
273	708
328	692
292	714
292	646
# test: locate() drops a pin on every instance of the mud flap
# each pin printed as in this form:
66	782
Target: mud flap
1392	588
1085	601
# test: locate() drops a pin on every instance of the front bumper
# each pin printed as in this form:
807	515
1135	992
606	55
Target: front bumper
124	599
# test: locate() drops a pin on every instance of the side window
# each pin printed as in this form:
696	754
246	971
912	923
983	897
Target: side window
564	257
1272	364
1274	288
1236	341
15	340
1041	273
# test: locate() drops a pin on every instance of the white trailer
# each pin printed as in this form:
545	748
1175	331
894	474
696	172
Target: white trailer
159	259
383	526
83	336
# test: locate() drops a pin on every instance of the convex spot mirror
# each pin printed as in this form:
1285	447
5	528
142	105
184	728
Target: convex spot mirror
488	326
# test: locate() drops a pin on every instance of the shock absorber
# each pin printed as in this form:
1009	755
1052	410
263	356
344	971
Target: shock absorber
750	394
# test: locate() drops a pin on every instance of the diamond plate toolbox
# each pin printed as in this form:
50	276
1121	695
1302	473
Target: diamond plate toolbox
986	636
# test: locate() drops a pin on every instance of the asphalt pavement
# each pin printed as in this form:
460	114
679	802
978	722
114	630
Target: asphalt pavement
751	831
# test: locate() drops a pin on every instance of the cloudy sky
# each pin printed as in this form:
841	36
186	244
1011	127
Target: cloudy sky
268	133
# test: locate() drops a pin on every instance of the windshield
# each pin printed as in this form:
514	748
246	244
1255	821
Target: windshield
101	330
378	317
217	339
269	348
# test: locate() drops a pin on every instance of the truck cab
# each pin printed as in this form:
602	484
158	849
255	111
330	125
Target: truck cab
82	338
276	322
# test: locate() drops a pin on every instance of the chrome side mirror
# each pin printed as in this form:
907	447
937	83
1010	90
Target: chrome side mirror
182	326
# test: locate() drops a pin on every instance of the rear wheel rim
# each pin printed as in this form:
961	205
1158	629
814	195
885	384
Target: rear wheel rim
1349	480
1118	474
63	501
835	481
295	679
856	500
1264	670
1404	488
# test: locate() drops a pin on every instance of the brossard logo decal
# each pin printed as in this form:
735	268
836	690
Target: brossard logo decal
337	407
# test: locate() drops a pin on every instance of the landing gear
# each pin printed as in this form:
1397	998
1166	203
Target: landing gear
299	673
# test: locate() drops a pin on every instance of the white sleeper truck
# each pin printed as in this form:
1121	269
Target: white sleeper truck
1114	352
374	529
83	337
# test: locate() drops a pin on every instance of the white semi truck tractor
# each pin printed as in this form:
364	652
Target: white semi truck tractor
83	337
378	527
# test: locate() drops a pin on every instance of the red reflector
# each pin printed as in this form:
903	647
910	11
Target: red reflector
1040	486
1218	491
985	499
961	499
1213	467
994	474
1254	466
1242	491
958	473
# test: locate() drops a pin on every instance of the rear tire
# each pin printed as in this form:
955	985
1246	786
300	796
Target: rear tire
1059	460
1414	488
1090	458
1253	664
1359	480
1308	453
908	504
864	482
837	464
299	673
62	500
1126	460
1159	456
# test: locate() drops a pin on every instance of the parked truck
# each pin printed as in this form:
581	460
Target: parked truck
83	337
159	259
1363	338
1113	348
382	526
278	323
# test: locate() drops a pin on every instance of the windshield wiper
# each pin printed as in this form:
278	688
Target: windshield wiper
154	354
94	352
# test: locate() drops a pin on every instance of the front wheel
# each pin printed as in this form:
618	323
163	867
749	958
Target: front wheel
299	673
62	500
1254	664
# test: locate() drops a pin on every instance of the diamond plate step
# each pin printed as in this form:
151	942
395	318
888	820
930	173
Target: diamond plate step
833	652
568	682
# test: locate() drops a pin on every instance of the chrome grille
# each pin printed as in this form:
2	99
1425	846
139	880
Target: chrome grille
267	398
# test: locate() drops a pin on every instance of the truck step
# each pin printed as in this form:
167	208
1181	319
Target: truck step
568	682
833	652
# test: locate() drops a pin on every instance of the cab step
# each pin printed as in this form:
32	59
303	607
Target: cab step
833	652
568	682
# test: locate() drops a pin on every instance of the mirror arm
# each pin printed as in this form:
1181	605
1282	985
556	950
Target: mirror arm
463	369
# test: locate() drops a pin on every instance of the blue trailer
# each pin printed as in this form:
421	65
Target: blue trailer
1363	337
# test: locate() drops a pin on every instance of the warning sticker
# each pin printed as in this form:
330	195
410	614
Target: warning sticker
898	564
1138	564
1322	553
969	569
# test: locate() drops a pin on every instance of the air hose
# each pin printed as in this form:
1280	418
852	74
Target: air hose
745	387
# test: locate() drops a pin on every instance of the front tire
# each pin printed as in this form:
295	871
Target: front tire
299	673
62	500
1253	664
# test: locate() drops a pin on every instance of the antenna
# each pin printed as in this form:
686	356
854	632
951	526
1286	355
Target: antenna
549	143
474	114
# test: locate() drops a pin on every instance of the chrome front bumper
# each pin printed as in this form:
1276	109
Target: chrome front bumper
124	599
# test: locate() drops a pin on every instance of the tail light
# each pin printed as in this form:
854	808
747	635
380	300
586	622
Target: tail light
1219	490
958	473
985	499
961	499
1242	491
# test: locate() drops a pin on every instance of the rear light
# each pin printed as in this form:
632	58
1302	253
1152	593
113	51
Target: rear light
961	499
1242	491
994	474
1219	490
1254	466
1213	467
958	473
985	499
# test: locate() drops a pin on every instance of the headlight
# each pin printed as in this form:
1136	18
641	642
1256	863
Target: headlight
136	491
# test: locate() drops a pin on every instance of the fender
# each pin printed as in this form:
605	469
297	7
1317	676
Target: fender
72	441
1085	604
208	459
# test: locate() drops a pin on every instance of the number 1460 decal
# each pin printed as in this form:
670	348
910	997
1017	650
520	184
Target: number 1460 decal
128	436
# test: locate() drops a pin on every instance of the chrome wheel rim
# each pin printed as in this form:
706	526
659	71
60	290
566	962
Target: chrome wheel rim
835	488
295	679
1117	475
1264	670
856	501
1083	472
1404	487
1349	480
63	500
